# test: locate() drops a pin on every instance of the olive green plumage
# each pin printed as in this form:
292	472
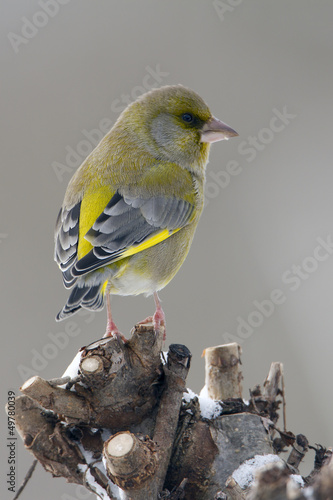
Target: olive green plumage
131	209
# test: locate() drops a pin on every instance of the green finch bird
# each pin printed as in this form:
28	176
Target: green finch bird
131	209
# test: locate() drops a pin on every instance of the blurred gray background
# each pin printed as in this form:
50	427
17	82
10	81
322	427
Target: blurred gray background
265	68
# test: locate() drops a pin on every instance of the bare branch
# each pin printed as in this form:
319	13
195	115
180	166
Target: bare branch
26	479
223	375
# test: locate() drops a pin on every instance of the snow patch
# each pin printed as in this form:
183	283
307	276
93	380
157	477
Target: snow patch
98	489
164	357
298	479
208	407
72	370
308	492
84	468
244	475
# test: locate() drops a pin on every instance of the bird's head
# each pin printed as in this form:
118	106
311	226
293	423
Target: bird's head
175	125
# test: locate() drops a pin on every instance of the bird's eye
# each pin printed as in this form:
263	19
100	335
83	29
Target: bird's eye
187	117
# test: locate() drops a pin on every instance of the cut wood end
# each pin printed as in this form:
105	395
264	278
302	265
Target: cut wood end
222	346
143	327
120	445
91	364
32	381
130	461
222	371
214	355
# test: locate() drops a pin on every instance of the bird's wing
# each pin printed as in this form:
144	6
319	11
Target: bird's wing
66	241
129	225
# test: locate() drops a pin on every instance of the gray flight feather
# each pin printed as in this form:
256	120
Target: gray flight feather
66	240
128	221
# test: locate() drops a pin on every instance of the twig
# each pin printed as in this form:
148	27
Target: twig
26	479
271	385
299	449
179	492
322	456
59	381
284	404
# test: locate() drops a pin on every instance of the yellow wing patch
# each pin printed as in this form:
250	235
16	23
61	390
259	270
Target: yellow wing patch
150	242
93	203
105	284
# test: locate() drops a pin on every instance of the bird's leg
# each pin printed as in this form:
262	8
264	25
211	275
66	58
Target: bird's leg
158	319
159	316
111	327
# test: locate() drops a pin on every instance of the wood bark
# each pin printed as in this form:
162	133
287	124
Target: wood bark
223	375
122	425
229	441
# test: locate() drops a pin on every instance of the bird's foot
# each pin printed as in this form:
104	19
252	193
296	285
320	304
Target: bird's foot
146	321
112	331
158	322
116	334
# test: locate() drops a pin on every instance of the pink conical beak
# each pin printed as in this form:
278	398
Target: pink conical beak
214	130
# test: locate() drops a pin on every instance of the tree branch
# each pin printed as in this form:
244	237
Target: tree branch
223	376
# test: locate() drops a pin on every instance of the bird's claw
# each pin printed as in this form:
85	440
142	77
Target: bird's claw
116	334
158	322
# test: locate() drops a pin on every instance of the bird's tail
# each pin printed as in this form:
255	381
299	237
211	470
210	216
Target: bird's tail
83	295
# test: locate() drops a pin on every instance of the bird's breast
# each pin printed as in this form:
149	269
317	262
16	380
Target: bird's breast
152	269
